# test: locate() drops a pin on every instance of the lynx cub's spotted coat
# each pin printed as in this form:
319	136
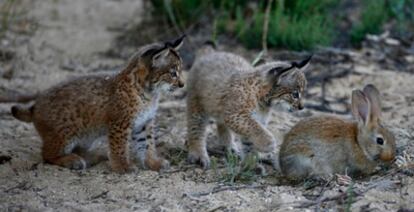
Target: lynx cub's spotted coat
71	116
238	96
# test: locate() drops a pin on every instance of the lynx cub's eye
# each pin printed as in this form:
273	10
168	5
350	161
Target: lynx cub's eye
174	74
295	94
380	141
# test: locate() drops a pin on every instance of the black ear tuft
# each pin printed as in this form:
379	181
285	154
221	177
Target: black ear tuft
153	51
278	71
176	43
302	63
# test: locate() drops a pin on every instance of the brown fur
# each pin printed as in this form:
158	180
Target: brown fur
324	145
238	96
72	115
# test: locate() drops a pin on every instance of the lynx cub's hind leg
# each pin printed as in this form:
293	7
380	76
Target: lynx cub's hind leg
53	152
91	158
196	144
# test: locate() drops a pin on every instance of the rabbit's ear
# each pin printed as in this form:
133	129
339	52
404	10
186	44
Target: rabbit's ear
372	93
360	106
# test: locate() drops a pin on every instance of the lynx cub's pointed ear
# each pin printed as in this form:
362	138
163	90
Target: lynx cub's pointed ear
360	107
278	73
176	45
157	55
302	65
259	62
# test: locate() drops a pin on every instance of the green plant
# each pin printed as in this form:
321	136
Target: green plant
403	12
298	24
240	170
373	15
176	156
6	13
350	196
294	24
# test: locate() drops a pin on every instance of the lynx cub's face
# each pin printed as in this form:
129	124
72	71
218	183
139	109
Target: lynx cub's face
288	83
166	65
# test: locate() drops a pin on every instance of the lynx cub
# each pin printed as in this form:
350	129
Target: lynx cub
71	116
226	87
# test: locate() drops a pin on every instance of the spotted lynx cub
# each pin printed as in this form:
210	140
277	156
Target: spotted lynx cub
71	116
238	96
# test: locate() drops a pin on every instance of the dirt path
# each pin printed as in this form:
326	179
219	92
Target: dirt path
69	40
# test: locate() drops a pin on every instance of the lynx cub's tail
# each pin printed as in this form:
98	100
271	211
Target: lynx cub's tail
23	113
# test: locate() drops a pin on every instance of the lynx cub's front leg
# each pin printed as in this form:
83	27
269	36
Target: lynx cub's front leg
196	126
152	160
245	125
119	149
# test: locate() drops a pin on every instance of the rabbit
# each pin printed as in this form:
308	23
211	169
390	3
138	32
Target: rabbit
321	146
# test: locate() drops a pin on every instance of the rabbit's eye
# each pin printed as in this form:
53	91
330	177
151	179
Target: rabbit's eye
380	141
295	94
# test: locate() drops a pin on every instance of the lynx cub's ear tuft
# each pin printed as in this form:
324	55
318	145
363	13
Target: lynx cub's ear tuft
302	65
176	45
157	56
156	52
277	72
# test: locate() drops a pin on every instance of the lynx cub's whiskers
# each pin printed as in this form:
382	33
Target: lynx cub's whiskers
226	87
71	116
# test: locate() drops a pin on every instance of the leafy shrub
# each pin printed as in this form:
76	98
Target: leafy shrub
293	24
373	16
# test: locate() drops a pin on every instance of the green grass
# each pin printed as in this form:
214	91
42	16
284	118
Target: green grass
403	12
293	24
6	13
237	170
373	15
298	24
350	196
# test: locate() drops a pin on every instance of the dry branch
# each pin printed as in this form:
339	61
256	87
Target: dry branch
16	96
266	26
225	188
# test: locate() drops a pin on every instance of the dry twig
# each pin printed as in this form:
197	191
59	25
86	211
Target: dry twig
226	188
266	26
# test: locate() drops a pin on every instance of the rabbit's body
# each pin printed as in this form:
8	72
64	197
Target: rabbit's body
325	145
326	152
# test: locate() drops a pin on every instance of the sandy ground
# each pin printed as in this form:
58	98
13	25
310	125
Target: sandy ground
56	39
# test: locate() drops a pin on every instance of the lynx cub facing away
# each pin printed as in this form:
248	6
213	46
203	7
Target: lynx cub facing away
71	116
226	87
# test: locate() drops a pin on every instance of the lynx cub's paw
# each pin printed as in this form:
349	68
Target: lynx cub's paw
236	149
201	158
123	168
